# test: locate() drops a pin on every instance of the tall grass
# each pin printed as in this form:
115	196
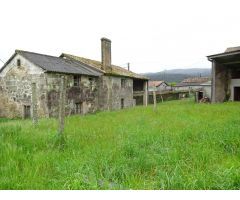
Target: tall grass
181	146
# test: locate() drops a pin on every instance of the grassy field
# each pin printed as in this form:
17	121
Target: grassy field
181	146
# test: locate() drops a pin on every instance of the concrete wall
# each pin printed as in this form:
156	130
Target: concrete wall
220	83
207	91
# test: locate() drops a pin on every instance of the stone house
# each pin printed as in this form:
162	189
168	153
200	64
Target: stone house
226	75
161	86
90	85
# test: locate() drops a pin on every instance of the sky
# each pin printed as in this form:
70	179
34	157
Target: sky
152	35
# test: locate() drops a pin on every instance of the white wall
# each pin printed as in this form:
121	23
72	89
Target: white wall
207	91
234	83
27	65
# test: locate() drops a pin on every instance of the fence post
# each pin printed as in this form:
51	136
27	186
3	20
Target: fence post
34	104
61	116
154	99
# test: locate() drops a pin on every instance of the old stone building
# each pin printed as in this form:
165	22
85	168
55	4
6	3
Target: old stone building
226	75
161	86
90	85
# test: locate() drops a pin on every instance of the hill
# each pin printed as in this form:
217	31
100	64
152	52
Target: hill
181	146
177	75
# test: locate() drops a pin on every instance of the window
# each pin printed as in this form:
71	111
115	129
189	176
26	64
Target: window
122	103
76	80
91	83
78	108
18	62
123	83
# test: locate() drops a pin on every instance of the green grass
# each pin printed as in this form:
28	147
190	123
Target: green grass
181	146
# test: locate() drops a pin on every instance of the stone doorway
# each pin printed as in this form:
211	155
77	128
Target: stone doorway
26	111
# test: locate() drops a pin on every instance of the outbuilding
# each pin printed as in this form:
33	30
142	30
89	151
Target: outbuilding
226	75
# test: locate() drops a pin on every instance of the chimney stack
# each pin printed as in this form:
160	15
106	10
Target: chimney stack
106	54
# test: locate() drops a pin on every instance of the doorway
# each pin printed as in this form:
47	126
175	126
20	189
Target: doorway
236	93
26	111
200	95
78	108
122	103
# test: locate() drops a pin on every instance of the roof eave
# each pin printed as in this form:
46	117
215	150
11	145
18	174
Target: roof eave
212	57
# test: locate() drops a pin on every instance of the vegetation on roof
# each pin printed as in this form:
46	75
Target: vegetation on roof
115	70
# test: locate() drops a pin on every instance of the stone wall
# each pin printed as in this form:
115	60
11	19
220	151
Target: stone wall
16	91
112	90
86	94
15	87
93	93
167	96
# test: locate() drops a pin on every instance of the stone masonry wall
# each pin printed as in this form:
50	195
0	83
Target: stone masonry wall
15	87
85	94
111	92
16	91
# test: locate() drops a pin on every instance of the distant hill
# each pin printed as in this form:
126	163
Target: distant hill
177	75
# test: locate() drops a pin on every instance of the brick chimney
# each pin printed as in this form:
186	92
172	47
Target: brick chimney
106	54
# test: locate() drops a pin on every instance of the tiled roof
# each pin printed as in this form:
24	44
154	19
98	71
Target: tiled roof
196	80
155	83
56	64
231	49
115	70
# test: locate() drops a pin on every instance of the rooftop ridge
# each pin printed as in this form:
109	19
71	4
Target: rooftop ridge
100	64
23	51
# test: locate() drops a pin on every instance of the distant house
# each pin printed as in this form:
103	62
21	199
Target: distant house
195	83
161	86
226	75
90	85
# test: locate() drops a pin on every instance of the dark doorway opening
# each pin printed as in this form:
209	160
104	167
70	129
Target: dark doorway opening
122	103
200	95
139	100
236	93
78	108
27	112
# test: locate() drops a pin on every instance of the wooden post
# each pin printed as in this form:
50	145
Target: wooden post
34	104
162	98
145	95
61	107
154	100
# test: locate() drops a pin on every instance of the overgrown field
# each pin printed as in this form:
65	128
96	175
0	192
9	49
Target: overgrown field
181	146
